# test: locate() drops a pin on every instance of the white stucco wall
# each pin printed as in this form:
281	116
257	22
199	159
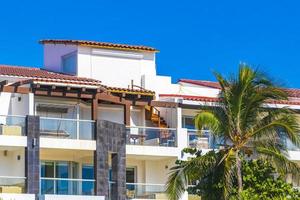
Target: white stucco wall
156	171
5	103
22	104
10	165
53	54
114	67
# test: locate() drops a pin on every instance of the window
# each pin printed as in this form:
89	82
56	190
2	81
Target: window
188	122
54	175
87	173
69	63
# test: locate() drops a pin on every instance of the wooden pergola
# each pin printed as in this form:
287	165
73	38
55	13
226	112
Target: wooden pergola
94	95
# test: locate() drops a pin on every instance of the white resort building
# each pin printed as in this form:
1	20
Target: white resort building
97	122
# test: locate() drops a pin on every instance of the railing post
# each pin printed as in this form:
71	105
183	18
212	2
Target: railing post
32	155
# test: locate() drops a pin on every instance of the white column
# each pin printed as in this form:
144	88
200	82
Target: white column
31	104
182	141
179	117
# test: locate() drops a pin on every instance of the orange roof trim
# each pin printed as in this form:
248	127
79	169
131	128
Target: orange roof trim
100	44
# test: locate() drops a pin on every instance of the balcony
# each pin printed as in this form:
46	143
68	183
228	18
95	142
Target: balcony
67	128
151	136
66	186
145	191
203	140
12	125
12	184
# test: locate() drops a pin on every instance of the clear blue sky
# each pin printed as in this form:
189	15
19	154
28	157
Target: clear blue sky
194	37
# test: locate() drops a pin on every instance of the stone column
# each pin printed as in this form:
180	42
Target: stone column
110	138
32	155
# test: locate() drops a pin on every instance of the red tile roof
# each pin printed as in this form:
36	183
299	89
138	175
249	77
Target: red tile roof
210	84
99	44
215	99
215	85
38	74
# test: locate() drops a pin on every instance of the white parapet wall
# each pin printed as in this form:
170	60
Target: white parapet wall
70	197
4	196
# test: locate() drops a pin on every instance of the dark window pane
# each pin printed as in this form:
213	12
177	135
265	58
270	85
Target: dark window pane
62	170
47	169
87	172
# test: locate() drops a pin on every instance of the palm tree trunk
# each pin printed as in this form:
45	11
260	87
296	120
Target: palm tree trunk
239	175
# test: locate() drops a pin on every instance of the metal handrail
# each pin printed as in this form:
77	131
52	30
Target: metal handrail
66	179
145	184
23	116
147	127
68	119
13	177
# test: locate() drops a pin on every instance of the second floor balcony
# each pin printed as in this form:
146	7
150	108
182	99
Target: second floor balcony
152	136
67	128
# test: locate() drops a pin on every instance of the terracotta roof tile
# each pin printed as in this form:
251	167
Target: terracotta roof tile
215	85
210	84
99	44
215	99
37	74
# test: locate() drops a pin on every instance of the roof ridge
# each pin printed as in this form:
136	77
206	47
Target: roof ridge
136	47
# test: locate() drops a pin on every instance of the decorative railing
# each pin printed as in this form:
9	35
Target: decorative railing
12	125
202	139
12	184
67	128
66	186
152	136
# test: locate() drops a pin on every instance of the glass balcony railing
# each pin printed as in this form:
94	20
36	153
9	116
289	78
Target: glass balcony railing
12	184
151	136
12	125
64	186
67	128
202	140
145	191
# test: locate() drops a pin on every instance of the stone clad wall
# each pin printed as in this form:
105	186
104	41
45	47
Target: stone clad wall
110	140
32	154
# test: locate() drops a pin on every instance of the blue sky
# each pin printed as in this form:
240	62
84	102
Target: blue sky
194	37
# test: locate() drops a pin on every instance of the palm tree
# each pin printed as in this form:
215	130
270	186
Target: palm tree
247	125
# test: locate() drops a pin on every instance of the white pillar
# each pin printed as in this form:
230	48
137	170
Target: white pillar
179	117
31	104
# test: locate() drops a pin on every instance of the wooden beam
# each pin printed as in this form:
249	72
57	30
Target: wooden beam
94	109
13	89
111	98
21	82
5	82
127	114
164	104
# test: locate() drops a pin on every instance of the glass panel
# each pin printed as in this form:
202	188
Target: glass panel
67	186
47	186
200	140
130	175
87	171
188	122
62	170
58	128
47	169
86	130
144	191
69	63
12	125
12	185
152	136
